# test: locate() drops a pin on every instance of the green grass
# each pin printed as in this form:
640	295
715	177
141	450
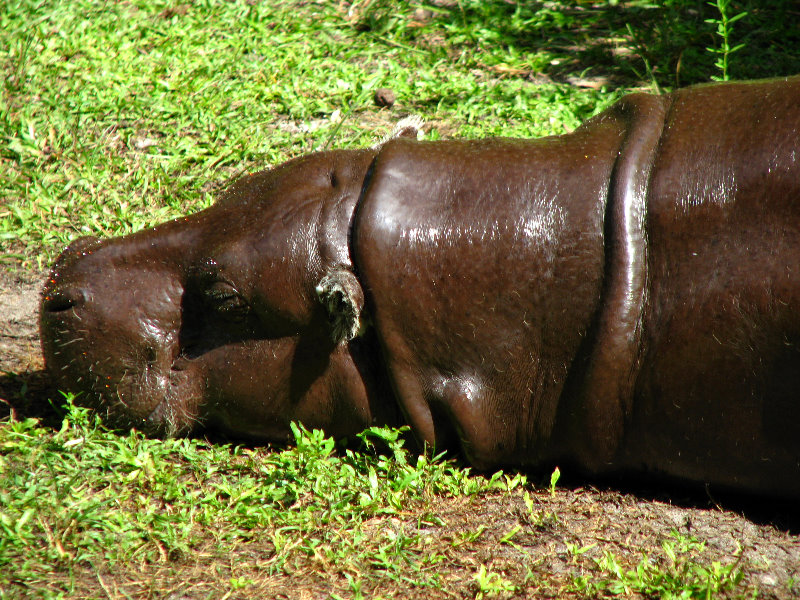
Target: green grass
115	116
118	116
83	508
84	498
676	573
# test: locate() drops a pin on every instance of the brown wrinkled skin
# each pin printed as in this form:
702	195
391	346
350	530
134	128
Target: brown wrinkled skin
623	299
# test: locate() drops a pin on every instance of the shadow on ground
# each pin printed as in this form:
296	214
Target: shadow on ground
622	43
30	395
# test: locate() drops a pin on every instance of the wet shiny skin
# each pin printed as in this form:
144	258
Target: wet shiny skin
620	299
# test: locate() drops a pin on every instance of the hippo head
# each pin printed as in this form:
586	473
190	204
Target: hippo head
242	317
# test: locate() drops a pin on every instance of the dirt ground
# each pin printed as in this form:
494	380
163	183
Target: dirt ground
19	340
763	537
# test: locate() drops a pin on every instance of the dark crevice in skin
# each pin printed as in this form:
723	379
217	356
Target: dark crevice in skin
573	384
353	225
584	375
311	359
449	438
366	354
366	349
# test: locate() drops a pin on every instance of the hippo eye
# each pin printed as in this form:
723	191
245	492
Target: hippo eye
225	300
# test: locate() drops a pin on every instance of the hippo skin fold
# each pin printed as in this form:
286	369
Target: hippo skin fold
623	299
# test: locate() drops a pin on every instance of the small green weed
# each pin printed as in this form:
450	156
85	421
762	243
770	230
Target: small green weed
491	584
554	477
678	574
724	25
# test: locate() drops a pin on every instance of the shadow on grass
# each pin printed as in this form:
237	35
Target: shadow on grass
780	513
624	43
30	394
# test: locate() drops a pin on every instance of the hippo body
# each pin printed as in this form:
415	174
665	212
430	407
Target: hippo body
621	299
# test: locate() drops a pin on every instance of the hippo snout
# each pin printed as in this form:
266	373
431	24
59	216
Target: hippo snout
110	338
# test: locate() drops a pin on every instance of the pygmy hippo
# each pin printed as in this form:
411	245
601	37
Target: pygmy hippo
624	299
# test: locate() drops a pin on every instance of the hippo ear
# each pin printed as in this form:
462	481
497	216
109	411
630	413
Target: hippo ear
410	127
341	295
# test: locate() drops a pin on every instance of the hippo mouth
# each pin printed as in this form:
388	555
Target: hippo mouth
128	391
159	405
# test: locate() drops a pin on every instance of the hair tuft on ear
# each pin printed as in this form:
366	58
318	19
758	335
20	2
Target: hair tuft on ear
341	295
409	127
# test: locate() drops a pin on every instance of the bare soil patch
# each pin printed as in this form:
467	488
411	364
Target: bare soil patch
559	537
24	389
19	340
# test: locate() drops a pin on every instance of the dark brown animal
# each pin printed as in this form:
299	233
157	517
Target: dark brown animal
624	298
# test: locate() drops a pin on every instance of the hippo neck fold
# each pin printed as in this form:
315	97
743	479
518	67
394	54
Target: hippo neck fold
437	242
607	386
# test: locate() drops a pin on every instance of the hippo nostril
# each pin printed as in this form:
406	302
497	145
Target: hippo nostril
150	357
59	301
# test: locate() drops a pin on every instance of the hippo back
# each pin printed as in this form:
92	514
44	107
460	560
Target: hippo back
623	298
719	391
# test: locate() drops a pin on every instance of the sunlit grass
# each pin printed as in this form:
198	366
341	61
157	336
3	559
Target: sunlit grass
82	508
117	116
